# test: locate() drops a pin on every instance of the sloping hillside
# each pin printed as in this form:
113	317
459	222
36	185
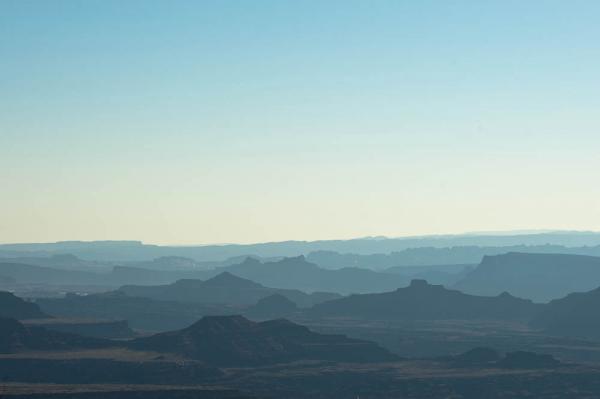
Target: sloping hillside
14	307
574	315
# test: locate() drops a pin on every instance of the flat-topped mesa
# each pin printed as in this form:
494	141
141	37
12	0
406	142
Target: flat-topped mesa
540	277
417	283
298	273
423	284
251	261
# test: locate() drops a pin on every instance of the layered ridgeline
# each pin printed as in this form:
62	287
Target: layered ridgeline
51	271
272	307
290	273
574	315
297	273
141	313
214	340
33	274
422	301
237	341
61	261
176	305
224	288
14	307
540	277
59	358
120	251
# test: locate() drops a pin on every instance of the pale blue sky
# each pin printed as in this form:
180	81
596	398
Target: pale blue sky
246	121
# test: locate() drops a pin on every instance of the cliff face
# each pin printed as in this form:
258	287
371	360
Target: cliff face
539	277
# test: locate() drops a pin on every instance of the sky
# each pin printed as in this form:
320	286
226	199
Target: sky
190	122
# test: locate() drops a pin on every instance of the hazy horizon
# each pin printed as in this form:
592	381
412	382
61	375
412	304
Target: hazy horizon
379	237
209	122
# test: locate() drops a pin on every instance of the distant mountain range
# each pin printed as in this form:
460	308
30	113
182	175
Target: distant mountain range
436	258
237	341
540	277
297	273
225	288
136	251
33	274
422	301
142	313
40	271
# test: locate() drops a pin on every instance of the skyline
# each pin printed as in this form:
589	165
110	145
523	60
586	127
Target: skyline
211	122
502	233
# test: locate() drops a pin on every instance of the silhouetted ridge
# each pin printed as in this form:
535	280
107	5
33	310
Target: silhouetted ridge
230	280
237	341
423	301
574	315
273	306
250	261
225	288
141	312
297	273
14	307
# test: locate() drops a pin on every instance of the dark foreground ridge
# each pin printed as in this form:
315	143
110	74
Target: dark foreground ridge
237	341
574	315
14	307
113	391
15	337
